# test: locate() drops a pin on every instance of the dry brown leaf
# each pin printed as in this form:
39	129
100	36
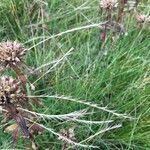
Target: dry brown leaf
11	128
34	147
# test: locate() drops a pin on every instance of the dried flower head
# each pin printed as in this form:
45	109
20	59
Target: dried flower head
141	18
108	4
67	133
9	89
11	53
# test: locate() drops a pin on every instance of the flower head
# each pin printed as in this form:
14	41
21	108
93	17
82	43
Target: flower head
141	18
11	53
9	90
108	4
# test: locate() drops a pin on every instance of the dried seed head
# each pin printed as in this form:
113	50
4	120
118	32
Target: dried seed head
141	18
11	53
108	4
35	129
67	133
9	90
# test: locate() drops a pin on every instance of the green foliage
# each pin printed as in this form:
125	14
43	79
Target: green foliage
118	79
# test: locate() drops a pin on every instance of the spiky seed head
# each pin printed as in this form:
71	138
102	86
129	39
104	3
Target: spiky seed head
11	53
67	133
141	18
108	4
9	90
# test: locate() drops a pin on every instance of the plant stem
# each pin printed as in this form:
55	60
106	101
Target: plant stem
121	10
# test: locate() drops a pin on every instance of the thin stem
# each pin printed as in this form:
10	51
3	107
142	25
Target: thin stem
20	75
121	10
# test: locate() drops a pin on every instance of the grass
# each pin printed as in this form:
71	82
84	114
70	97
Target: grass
76	74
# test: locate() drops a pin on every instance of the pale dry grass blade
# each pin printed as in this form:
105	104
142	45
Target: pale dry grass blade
55	64
85	103
69	116
93	122
65	138
98	25
55	61
100	132
79	8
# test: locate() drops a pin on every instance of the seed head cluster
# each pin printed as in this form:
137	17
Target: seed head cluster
9	90
141	18
11	53
108	4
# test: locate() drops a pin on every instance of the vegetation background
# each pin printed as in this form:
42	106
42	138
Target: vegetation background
63	42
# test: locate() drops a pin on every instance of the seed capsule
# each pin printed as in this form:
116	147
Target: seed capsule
9	90
11	53
108	4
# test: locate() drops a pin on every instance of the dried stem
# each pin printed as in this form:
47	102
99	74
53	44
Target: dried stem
20	75
16	115
121	10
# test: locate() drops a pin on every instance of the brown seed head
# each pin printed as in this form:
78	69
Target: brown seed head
9	90
67	133
108	4
141	18
11	53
